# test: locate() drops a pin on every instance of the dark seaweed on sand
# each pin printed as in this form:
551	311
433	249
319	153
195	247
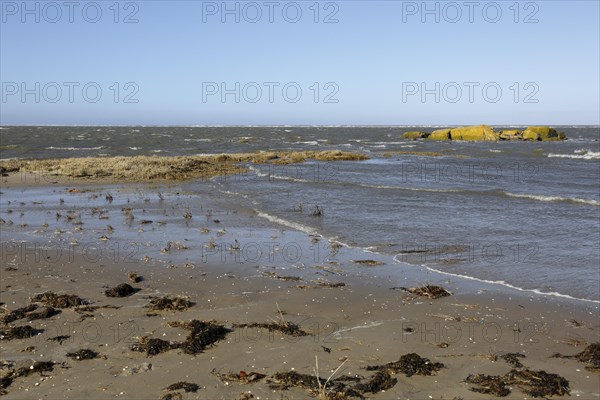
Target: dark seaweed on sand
185	386
83	354
59	301
488	384
169	304
382	380
37	367
153	346
60	338
513	359
532	383
242	377
429	291
202	335
590	355
122	290
172	396
409	364
314	385
19	332
42	313
19	313
286	327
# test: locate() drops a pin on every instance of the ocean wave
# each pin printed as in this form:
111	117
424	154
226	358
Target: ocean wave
553	198
310	142
536	197
74	148
583	154
285	222
504	284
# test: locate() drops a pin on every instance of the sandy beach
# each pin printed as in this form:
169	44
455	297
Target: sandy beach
269	303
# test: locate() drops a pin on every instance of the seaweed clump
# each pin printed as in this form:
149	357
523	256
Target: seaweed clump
285	327
169	304
59	301
37	367
202	335
185	386
83	354
591	356
532	383
488	384
242	377
153	346
326	389
382	380
19	313
430	291
122	290
513	359
43	313
409	364
19	332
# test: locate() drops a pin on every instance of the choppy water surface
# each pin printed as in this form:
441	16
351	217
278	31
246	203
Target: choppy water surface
525	214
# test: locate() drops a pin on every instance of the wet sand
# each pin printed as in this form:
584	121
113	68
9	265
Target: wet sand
238	268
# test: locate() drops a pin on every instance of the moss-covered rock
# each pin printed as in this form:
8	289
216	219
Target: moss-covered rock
544	133
440	134
511	135
474	133
414	135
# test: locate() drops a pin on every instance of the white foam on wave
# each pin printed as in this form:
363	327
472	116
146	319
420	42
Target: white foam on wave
554	198
285	222
583	154
74	148
503	283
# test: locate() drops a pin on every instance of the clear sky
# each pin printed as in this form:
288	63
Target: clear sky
304	62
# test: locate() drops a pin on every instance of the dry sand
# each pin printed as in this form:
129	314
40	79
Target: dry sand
367	321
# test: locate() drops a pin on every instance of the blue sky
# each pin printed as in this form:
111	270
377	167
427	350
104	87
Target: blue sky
535	63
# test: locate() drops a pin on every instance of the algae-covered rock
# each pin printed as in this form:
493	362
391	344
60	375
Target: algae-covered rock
544	133
511	135
414	135
474	133
530	135
440	134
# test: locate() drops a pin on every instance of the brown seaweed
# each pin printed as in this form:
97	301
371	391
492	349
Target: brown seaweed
122	290
532	383
202	335
83	354
59	301
19	313
153	346
242	377
286	327
429	291
19	332
382	380
488	384
169	304
409	364
185	386
590	355
513	359
42	313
